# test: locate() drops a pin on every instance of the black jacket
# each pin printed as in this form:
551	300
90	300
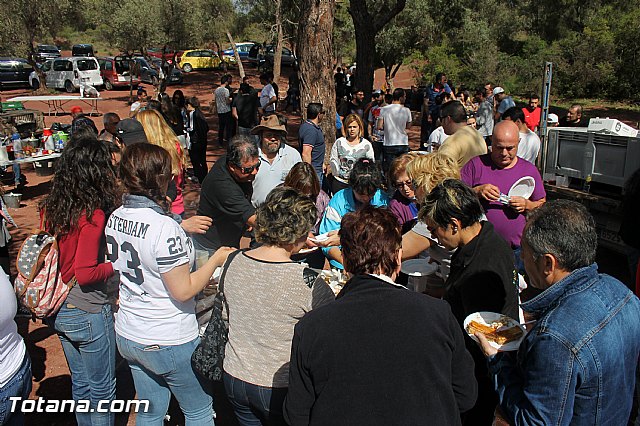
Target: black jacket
379	355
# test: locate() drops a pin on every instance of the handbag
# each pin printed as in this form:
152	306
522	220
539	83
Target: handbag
208	356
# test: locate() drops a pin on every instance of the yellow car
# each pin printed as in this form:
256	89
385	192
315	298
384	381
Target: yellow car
200	59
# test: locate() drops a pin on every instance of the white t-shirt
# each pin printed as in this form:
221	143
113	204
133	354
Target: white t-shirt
12	346
436	138
395	118
529	146
222	100
273	174
344	156
266	94
142	244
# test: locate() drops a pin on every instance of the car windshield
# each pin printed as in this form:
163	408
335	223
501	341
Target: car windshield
48	49
143	62
86	65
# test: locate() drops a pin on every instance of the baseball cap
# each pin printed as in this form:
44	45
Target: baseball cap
377	92
553	119
75	109
498	90
130	132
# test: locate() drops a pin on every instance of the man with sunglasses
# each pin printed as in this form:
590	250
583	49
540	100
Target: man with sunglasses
276	157
226	196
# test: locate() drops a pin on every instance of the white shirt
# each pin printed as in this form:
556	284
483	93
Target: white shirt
143	244
529	146
273	174
436	138
12	346
344	156
266	94
396	117
222	100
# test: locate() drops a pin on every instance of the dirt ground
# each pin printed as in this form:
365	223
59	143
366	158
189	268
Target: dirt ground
51	379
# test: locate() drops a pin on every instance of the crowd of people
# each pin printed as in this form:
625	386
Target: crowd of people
301	351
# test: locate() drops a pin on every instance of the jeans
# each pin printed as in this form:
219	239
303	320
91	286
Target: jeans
518	262
158	371
88	341
390	153
19	385
255	405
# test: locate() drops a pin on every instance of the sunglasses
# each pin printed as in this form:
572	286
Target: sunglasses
250	169
400	185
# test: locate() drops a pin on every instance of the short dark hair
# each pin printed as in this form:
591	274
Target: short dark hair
370	239
241	148
365	177
245	88
514	114
533	96
145	169
397	94
388	98
564	229
455	110
439	76
313	110
193	101
225	78
451	199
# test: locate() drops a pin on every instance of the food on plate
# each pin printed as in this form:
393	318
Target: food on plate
497	331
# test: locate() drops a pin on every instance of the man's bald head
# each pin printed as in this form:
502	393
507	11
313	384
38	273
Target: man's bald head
504	145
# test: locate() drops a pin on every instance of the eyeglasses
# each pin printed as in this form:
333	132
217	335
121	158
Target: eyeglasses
250	169
400	185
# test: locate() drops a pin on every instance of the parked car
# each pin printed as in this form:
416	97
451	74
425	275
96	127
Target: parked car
201	59
46	51
175	75
82	50
146	72
266	53
116	72
68	73
14	72
168	54
242	48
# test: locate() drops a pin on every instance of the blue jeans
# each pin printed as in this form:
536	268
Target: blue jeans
88	341
19	385
158	371
517	261
255	405
390	153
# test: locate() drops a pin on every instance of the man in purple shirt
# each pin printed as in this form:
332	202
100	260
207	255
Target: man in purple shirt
492	175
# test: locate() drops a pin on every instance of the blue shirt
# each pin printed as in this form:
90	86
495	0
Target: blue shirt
311	134
342	203
577	365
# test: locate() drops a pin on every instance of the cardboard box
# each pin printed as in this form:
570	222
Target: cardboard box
611	126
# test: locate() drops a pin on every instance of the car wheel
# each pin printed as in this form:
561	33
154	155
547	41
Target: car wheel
107	84
68	86
187	68
154	81
35	84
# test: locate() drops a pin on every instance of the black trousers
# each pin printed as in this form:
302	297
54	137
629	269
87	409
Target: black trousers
198	156
225	128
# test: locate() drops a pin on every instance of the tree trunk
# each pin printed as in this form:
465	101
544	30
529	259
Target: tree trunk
277	54
315	46
237	55
367	24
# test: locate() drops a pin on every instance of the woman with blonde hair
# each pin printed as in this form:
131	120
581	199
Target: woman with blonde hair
159	133
425	173
347	150
403	203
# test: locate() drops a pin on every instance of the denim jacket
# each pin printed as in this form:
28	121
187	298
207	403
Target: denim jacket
577	365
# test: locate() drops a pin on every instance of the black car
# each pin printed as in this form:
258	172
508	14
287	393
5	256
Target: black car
174	74
82	50
14	72
267	53
149	74
46	51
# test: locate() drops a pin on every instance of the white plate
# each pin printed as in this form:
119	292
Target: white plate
418	267
307	250
487	318
320	238
523	187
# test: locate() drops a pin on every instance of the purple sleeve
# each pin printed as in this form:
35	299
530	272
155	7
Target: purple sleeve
539	191
467	173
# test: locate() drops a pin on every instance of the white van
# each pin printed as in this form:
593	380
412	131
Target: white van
69	73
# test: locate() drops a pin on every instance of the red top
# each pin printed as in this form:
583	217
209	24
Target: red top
532	118
82	251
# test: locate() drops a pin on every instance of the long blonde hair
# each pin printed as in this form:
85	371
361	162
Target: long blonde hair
159	133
